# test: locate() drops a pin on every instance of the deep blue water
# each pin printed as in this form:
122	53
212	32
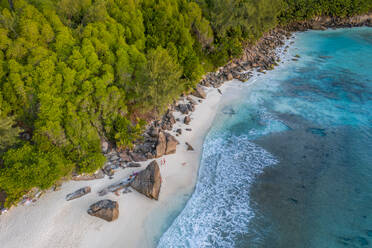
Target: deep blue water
293	166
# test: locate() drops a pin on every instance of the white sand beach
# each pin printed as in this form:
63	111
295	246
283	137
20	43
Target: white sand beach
54	222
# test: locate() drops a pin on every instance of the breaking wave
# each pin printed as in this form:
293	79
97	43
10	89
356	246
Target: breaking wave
219	210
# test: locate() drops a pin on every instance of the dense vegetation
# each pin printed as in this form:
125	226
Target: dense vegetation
73	72
297	10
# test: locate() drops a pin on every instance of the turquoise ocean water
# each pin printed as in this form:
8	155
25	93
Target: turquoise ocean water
288	162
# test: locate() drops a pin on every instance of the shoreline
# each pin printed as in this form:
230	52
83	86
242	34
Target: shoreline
53	222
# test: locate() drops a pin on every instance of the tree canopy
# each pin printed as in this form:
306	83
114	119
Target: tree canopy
74	72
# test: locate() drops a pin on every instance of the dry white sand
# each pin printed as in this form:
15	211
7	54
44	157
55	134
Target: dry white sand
53	222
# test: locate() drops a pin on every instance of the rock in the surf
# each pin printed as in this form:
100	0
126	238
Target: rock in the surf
148	181
105	209
78	193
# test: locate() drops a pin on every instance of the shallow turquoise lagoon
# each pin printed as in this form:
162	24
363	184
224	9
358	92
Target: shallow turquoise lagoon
288	162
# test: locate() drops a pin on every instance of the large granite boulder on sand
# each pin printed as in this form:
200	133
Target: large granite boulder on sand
148	181
172	143
199	92
166	144
78	193
105	209
161	145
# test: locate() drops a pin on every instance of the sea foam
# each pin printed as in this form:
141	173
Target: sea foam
219	210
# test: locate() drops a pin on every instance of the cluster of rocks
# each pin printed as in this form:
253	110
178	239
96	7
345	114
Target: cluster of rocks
324	22
260	56
147	182
156	140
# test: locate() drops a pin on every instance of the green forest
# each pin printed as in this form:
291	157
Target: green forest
73	72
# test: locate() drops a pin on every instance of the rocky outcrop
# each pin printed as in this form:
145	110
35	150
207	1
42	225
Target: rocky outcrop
168	121
138	156
183	108
161	145
78	193
199	92
125	157
191	101
324	22
105	209
167	144
148	181
172	143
